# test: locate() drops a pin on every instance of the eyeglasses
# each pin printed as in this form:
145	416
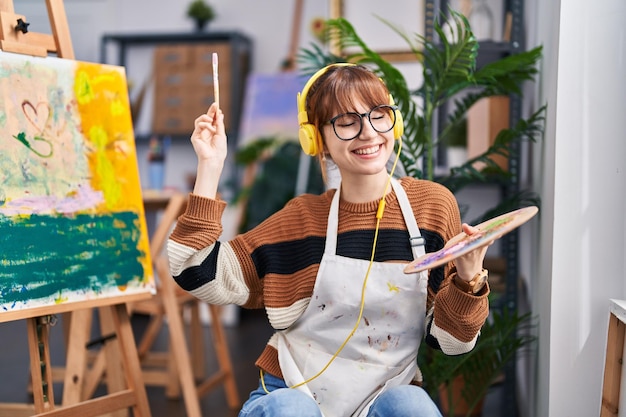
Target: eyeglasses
348	126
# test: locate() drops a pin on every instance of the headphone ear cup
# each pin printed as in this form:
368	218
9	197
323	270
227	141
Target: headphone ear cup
309	139
398	128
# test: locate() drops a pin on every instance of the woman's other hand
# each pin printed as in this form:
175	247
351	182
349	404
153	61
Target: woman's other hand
468	265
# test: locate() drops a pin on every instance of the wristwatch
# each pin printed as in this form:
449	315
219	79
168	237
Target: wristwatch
475	284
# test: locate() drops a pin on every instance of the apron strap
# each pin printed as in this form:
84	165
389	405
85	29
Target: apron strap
415	237
333	225
416	240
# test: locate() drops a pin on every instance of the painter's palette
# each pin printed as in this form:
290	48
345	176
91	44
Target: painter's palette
461	244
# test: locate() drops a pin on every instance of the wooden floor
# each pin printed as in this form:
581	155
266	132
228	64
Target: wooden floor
246	340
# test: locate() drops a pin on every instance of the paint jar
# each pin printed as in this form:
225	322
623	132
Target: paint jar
156	174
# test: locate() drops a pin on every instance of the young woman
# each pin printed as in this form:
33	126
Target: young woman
329	269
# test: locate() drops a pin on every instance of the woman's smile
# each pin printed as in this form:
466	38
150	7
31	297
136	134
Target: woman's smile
369	150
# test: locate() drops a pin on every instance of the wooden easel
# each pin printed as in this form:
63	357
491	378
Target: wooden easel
15	37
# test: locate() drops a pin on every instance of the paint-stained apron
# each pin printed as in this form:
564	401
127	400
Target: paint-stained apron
383	351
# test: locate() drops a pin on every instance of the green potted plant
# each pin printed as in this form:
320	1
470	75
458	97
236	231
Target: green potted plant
504	335
450	77
201	12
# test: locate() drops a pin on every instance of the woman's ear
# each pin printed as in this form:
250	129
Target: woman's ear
325	152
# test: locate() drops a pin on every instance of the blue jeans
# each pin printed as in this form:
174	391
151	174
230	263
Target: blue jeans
401	401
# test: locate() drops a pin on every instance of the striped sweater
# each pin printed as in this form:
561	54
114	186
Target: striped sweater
274	266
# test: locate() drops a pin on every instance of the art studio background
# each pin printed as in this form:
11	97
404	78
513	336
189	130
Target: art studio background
573	256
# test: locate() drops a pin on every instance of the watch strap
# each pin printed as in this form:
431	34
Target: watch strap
474	285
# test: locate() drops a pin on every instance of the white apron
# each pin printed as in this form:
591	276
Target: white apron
383	351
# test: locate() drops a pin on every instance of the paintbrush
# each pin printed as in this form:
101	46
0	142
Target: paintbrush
216	81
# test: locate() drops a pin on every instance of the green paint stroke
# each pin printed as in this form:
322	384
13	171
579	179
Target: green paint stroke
53	256
22	138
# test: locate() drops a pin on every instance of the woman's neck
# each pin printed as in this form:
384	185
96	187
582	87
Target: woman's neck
364	188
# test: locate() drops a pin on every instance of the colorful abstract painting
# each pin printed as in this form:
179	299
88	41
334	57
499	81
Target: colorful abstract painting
72	224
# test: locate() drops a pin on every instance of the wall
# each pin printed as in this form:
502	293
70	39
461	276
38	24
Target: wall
580	262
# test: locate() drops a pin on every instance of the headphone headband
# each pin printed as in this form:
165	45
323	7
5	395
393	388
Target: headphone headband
305	90
310	137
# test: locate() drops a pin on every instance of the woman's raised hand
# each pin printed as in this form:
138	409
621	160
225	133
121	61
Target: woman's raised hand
209	136
209	142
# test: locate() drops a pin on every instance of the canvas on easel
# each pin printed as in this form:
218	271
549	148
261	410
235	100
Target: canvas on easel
72	225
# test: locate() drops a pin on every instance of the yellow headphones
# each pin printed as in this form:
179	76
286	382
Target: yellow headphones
310	137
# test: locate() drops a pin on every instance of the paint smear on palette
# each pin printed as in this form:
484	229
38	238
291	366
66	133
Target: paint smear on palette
461	244
72	224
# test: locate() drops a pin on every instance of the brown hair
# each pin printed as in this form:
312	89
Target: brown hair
338	90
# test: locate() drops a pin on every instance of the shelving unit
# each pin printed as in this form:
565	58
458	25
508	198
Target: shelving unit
237	67
489	51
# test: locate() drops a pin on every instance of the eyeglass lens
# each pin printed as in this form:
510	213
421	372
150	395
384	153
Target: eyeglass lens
348	126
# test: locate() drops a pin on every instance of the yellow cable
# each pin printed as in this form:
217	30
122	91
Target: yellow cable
263	381
379	216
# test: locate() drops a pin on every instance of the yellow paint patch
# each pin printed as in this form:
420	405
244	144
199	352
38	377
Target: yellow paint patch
102	97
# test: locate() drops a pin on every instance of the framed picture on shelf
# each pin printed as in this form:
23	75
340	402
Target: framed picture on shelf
371	14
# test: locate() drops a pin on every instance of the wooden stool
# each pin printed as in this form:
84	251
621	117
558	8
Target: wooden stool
178	365
182	367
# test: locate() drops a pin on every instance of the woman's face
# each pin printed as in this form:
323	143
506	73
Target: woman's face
368	152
